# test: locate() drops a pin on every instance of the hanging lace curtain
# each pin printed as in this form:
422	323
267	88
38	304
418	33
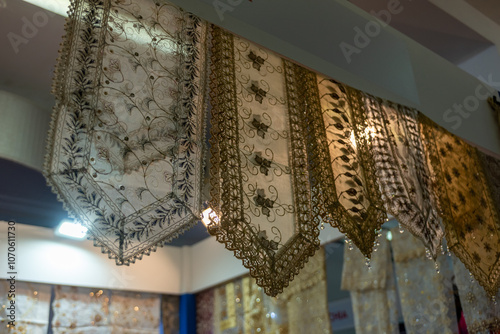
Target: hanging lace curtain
228	308
426	294
170	314
126	142
32	306
241	306
306	299
205	319
468	204
373	291
481	313
80	310
134	313
260	183
96	311
262	314
345	192
402	171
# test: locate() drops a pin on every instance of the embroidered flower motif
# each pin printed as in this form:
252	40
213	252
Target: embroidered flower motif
114	66
461	198
447	176
103	153
259	93
261	127
471	298
263	239
487	247
475	257
263	163
263	202
257	60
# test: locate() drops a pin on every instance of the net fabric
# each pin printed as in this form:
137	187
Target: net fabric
402	171
80	310
481	314
170	314
241	306
306	298
205	312
373	291
260	185
345	192
126	142
262	314
467	203
228	308
426	296
134	312
32	306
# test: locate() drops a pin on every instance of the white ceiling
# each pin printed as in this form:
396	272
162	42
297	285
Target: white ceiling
26	69
433	28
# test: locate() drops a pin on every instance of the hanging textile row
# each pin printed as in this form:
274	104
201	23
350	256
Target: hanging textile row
290	149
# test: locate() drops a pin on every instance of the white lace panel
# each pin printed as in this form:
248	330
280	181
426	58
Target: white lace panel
126	142
426	296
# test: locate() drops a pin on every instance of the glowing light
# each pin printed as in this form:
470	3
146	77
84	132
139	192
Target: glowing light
389	235
353	139
273	315
71	229
209	216
368	133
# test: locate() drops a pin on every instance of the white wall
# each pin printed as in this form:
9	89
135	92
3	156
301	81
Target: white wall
44	258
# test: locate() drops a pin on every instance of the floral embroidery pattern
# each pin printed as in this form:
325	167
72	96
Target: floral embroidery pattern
259	177
264	164
260	94
339	146
261	127
265	203
127	137
471	222
402	171
257	61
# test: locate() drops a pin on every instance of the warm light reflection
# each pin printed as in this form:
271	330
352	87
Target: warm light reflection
368	133
353	139
209	216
